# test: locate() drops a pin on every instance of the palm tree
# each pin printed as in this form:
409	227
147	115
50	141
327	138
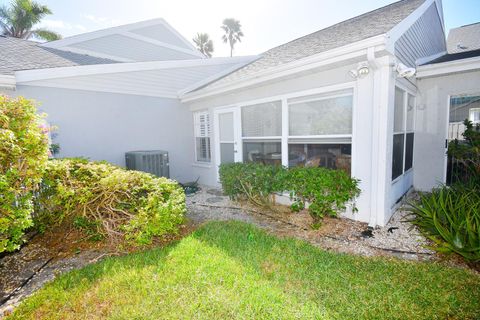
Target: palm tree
233	32
204	44
19	19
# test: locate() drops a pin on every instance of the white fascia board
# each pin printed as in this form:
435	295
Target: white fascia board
179	35
449	67
157	43
100	33
396	32
99	89
7	82
354	50
426	60
65	72
213	77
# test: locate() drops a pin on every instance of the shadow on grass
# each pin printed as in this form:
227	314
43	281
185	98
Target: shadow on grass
233	269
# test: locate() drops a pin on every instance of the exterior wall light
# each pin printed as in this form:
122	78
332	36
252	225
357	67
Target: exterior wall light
362	71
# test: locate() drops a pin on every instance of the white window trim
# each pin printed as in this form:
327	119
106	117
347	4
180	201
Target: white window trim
284	139
209	135
406	92
470	114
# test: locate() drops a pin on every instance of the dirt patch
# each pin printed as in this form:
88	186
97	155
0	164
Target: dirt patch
63	249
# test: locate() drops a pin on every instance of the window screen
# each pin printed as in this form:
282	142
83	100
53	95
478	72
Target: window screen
262	120
409	151
264	151
398	125
410	112
397	162
311	116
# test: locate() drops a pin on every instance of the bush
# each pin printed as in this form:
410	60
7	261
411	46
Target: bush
326	191
450	217
23	156
466	153
131	204
250	181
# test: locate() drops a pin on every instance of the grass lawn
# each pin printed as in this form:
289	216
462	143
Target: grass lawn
232	270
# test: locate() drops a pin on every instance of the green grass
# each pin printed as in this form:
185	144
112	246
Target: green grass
231	270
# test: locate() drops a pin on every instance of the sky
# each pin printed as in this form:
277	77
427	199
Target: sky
265	23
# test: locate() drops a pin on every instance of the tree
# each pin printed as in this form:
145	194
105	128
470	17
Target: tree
233	32
19	19
204	44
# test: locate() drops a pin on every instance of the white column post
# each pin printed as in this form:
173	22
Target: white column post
284	132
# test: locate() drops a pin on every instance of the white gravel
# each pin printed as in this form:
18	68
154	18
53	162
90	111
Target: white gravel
403	240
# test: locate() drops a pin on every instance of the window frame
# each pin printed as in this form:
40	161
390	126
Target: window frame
196	122
405	131
328	92
471	112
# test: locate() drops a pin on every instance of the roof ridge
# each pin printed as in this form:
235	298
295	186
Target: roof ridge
468	25
343	21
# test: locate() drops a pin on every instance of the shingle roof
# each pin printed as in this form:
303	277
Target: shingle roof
365	26
18	54
466	38
456	56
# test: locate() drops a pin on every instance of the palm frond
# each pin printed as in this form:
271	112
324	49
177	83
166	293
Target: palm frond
44	34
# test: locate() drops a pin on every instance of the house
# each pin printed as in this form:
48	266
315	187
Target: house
368	95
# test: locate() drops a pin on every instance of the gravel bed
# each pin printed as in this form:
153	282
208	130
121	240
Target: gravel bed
398	238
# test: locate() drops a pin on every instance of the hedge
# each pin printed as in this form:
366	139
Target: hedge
326	191
133	205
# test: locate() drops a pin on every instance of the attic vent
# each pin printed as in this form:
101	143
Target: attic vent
461	46
153	161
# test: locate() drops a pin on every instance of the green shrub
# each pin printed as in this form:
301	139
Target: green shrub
325	191
450	217
130	204
250	181
466	153
23	156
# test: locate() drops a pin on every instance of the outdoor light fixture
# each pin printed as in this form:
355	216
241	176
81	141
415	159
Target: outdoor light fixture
361	72
403	71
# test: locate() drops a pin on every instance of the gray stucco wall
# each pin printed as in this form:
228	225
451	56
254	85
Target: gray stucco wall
432	123
103	126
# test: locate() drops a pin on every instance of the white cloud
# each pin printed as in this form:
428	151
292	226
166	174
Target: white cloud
62	25
102	21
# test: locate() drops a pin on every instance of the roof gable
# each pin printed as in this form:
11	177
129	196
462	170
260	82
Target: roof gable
156	37
466	38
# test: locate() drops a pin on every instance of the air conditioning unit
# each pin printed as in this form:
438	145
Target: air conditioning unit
151	161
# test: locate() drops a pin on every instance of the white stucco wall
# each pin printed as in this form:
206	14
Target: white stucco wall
103	126
432	124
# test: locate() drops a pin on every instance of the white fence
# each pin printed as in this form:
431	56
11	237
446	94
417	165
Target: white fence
455	130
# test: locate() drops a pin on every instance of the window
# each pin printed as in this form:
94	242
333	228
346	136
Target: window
320	115
474	115
202	136
262	120
403	133
328	155
261	133
320	131
266	152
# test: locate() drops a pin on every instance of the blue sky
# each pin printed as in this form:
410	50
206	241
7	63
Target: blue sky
266	23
